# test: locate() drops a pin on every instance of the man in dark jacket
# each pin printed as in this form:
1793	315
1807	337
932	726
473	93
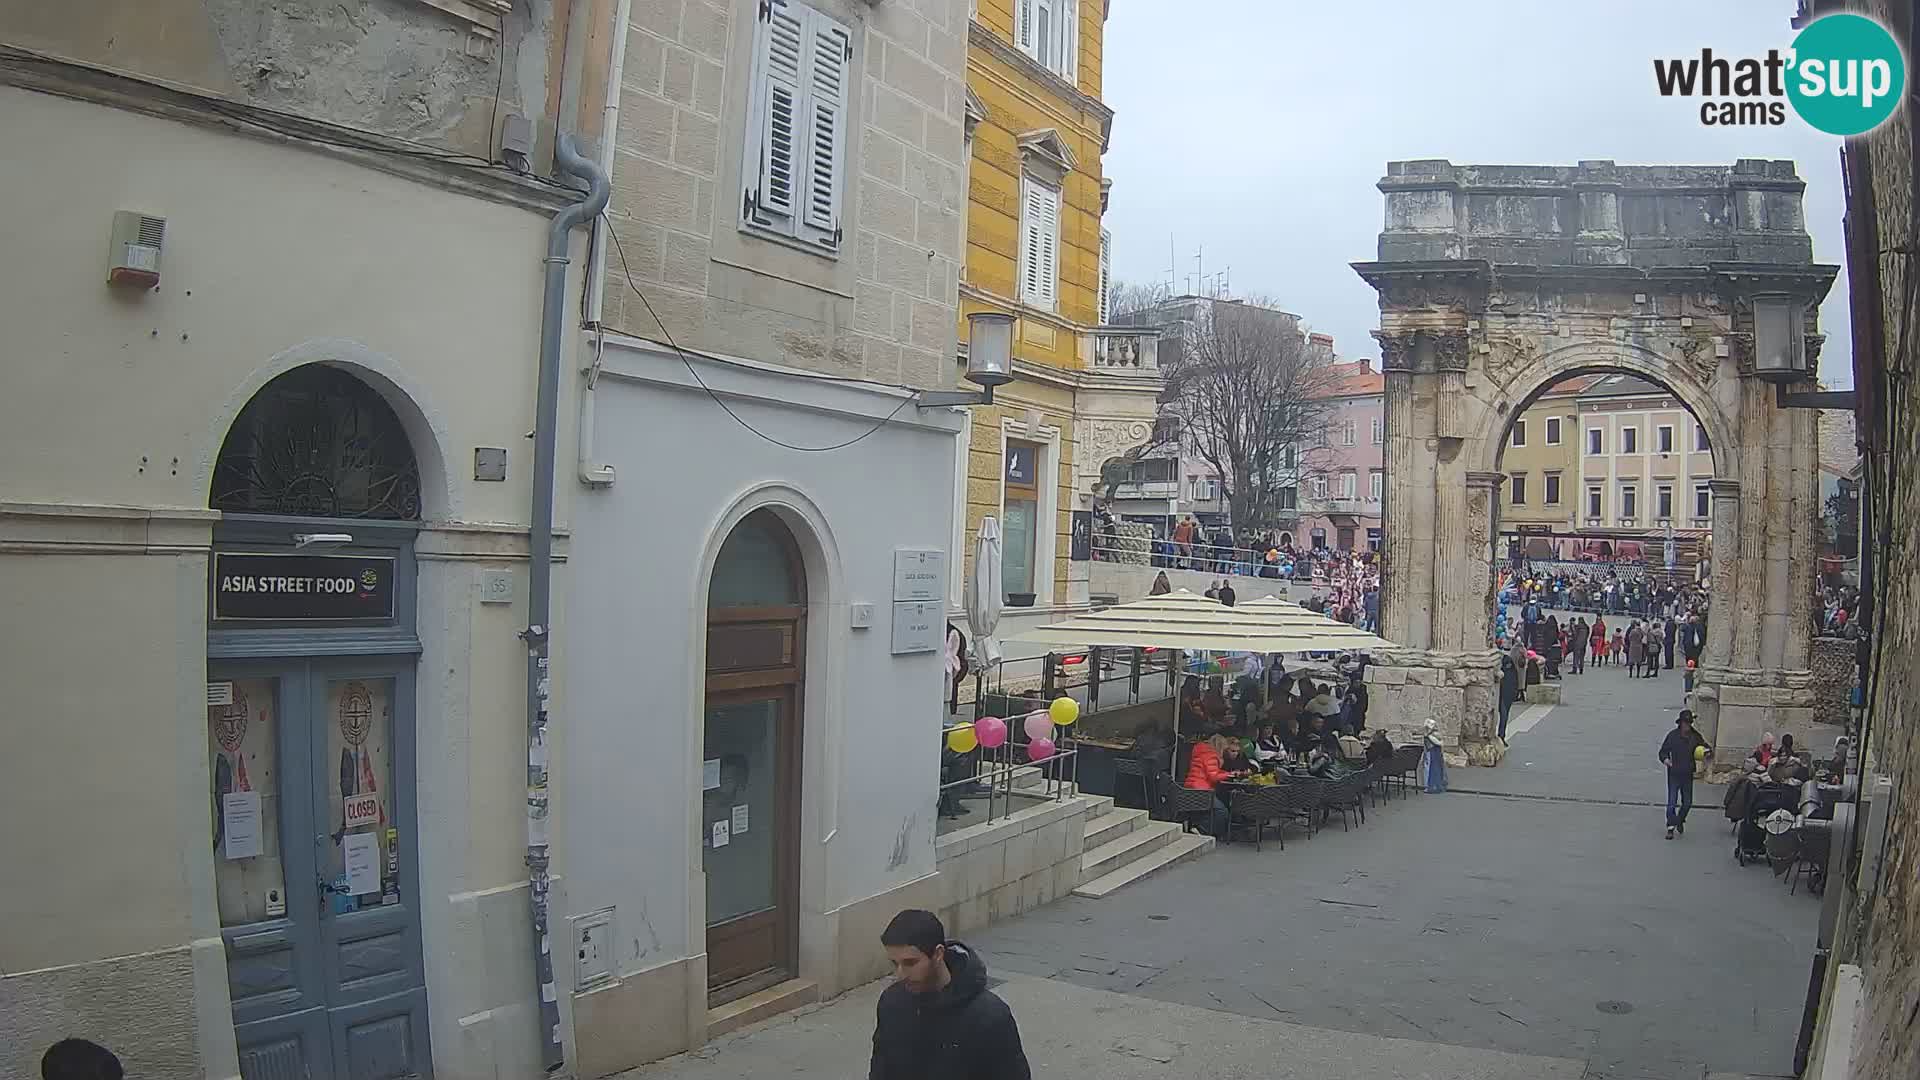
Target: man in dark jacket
1676	753
938	1021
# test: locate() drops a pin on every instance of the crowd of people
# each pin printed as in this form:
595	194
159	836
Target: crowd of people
1836	609
1346	587
1614	590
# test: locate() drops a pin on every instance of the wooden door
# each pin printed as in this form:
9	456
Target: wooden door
750	780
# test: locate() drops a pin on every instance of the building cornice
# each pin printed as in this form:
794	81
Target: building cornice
424	165
981	37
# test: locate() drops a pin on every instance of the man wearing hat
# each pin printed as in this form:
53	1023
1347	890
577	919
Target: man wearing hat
1678	752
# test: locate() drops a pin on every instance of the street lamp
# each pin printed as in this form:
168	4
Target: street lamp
1780	353
989	362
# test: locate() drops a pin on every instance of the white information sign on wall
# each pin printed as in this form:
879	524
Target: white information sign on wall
918	626
919	574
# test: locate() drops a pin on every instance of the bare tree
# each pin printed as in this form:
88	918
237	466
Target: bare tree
1130	298
1252	398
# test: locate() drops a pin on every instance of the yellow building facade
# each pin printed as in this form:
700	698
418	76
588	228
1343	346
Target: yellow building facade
1541	461
1083	393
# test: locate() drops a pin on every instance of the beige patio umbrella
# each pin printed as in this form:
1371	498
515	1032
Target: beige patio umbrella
1181	620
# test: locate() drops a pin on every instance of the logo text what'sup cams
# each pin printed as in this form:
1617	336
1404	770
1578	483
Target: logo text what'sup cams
1844	75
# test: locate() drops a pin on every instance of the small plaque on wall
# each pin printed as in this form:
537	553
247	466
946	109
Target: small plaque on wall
919	574
919	626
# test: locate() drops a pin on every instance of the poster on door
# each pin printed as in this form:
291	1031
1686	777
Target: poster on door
359	721
242	725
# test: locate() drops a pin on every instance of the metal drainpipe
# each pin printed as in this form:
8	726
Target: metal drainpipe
537	635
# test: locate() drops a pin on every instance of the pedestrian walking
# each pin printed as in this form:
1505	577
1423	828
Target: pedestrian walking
1679	752
1578	645
1672	632
1635	635
1651	643
1509	691
938	1021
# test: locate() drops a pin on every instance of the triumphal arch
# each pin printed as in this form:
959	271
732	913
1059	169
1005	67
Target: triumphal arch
1497	282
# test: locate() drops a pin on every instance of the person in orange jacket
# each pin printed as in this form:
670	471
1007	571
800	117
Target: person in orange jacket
1205	773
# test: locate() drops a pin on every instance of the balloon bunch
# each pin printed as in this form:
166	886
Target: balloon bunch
991	731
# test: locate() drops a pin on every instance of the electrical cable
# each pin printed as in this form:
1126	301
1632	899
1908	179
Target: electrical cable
627	272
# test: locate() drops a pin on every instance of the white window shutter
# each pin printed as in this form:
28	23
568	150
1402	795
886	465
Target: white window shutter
829	71
1106	247
1023	25
1031	218
1070	41
1049	295
774	139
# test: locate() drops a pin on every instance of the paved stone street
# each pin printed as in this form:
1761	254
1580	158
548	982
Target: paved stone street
1550	920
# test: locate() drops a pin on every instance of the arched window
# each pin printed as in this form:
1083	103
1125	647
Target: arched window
318	442
758	566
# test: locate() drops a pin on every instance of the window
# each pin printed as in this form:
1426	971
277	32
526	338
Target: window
1379	431
1596	441
1349	433
1663	501
1700	437
1039	244
1166	429
1349	485
1020	517
1318	487
1629	440
1517	489
1553	431
1702	501
1106	248
1289	498
1049	31
797	129
1519	436
1376	484
1629	502
1292	457
1553	489
1663	438
1593	502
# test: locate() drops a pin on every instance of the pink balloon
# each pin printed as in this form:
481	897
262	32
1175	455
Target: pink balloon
1039	749
990	730
1039	725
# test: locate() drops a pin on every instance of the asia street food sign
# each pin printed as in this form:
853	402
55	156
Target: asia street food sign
302	588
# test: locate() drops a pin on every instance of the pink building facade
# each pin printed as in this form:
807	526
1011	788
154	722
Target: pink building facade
1344	476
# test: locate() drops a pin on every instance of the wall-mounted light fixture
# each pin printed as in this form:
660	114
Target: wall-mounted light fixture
989	362
322	540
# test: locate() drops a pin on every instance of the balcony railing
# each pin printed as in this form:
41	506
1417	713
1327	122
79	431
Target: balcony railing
1128	350
1149	489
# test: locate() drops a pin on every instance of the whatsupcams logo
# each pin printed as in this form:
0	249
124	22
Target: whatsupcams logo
1844	75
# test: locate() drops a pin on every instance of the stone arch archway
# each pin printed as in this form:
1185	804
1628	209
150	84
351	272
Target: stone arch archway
1495	282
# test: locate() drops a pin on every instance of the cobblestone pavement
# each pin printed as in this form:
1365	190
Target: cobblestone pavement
1547	932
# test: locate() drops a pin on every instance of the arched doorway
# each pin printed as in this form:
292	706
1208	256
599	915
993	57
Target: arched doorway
310	731
756	668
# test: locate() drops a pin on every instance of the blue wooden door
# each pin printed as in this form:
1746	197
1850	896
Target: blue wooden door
314	838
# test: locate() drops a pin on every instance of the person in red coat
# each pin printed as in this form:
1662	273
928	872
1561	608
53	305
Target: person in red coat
1205	773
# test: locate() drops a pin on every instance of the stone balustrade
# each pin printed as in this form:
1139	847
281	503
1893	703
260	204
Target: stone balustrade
1126	350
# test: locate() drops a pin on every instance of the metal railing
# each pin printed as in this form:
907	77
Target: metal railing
1241	561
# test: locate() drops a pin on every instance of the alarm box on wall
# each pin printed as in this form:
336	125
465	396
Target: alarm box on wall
133	259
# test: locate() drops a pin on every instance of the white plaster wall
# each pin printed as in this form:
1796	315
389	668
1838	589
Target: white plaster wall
113	409
642	554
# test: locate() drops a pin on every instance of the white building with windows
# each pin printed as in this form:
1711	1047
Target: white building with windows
751	759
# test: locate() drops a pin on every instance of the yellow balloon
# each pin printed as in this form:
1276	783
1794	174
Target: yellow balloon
1064	710
962	740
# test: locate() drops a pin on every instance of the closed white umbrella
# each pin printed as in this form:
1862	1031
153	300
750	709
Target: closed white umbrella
985	595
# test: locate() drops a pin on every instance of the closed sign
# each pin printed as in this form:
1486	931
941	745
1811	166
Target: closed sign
362	810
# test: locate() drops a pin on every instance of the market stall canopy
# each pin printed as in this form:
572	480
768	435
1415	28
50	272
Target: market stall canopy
1181	620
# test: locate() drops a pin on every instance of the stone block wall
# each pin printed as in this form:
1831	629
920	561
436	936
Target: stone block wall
999	869
1833	666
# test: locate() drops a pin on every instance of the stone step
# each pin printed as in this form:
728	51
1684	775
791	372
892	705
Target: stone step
1183	846
1112	825
1124	848
774	1000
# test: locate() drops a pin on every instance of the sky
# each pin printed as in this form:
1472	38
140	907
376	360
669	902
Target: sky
1252	132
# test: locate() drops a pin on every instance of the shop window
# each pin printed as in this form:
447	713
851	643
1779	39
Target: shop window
1021	559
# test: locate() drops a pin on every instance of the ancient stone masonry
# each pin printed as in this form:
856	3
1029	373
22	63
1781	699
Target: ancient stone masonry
1495	282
